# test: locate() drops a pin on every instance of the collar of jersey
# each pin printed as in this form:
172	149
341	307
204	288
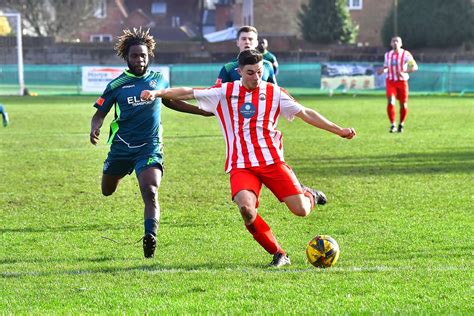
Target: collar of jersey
245	88
128	73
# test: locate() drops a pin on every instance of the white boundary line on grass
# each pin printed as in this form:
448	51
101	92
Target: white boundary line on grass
333	269
244	270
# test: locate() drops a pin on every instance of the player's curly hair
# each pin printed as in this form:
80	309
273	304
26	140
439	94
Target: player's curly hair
134	37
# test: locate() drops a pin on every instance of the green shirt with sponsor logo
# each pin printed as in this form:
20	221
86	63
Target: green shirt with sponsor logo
135	122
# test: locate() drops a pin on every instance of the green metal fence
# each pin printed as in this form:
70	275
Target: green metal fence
302	77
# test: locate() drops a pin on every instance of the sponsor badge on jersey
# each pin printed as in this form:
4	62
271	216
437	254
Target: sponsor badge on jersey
153	83
247	110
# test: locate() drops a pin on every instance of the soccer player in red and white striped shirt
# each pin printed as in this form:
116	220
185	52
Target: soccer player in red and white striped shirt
248	111
398	63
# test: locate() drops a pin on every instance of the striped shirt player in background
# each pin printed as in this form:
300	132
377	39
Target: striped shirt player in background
248	111
136	132
247	38
267	55
398	63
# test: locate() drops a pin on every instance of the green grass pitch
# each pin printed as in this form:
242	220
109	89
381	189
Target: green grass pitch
400	207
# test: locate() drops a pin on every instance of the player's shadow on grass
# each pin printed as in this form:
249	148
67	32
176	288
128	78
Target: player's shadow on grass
66	228
153	268
390	164
63	260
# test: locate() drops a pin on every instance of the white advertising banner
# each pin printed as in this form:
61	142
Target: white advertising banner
96	78
350	77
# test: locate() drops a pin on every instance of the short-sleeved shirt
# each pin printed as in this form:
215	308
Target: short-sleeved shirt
272	59
248	121
136	122
397	64
229	72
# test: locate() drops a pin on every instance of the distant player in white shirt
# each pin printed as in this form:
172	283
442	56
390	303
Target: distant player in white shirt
398	63
248	112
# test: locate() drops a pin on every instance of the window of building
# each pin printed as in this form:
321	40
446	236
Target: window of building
158	7
103	38
101	9
354	4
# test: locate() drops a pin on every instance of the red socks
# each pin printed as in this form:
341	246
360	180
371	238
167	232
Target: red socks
403	114
262	233
391	113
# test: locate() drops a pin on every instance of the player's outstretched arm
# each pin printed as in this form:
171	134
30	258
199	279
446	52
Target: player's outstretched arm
96	123
181	93
312	117
185	107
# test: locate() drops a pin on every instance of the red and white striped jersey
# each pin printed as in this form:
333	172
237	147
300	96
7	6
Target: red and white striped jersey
397	64
248	121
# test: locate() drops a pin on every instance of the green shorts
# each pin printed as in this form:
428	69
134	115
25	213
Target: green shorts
122	160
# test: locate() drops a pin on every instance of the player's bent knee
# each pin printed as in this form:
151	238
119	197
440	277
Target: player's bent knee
298	205
248	213
109	184
301	211
107	191
150	193
245	209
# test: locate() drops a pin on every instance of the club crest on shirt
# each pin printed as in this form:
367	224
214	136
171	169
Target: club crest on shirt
262	96
153	83
247	110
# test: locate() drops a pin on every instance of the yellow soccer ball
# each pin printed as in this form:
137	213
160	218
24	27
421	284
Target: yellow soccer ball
322	251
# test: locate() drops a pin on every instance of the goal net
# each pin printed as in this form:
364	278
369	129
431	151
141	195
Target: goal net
11	55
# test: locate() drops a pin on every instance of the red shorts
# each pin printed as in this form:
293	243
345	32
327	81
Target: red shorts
398	89
278	177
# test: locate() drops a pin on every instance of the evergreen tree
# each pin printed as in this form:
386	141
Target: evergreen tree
431	23
327	22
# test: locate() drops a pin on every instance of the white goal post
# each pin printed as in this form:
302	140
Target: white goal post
19	49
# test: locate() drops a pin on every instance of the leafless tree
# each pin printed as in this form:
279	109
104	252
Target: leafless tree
56	18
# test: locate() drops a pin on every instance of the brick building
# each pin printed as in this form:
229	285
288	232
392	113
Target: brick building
280	17
276	18
370	15
166	19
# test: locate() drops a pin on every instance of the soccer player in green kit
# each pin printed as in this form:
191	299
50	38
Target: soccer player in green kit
136	132
247	38
4	115
267	55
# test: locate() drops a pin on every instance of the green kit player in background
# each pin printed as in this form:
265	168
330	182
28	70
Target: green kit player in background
136	132
247	38
4	115
267	55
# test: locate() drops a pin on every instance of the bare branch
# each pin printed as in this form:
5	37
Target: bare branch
57	18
